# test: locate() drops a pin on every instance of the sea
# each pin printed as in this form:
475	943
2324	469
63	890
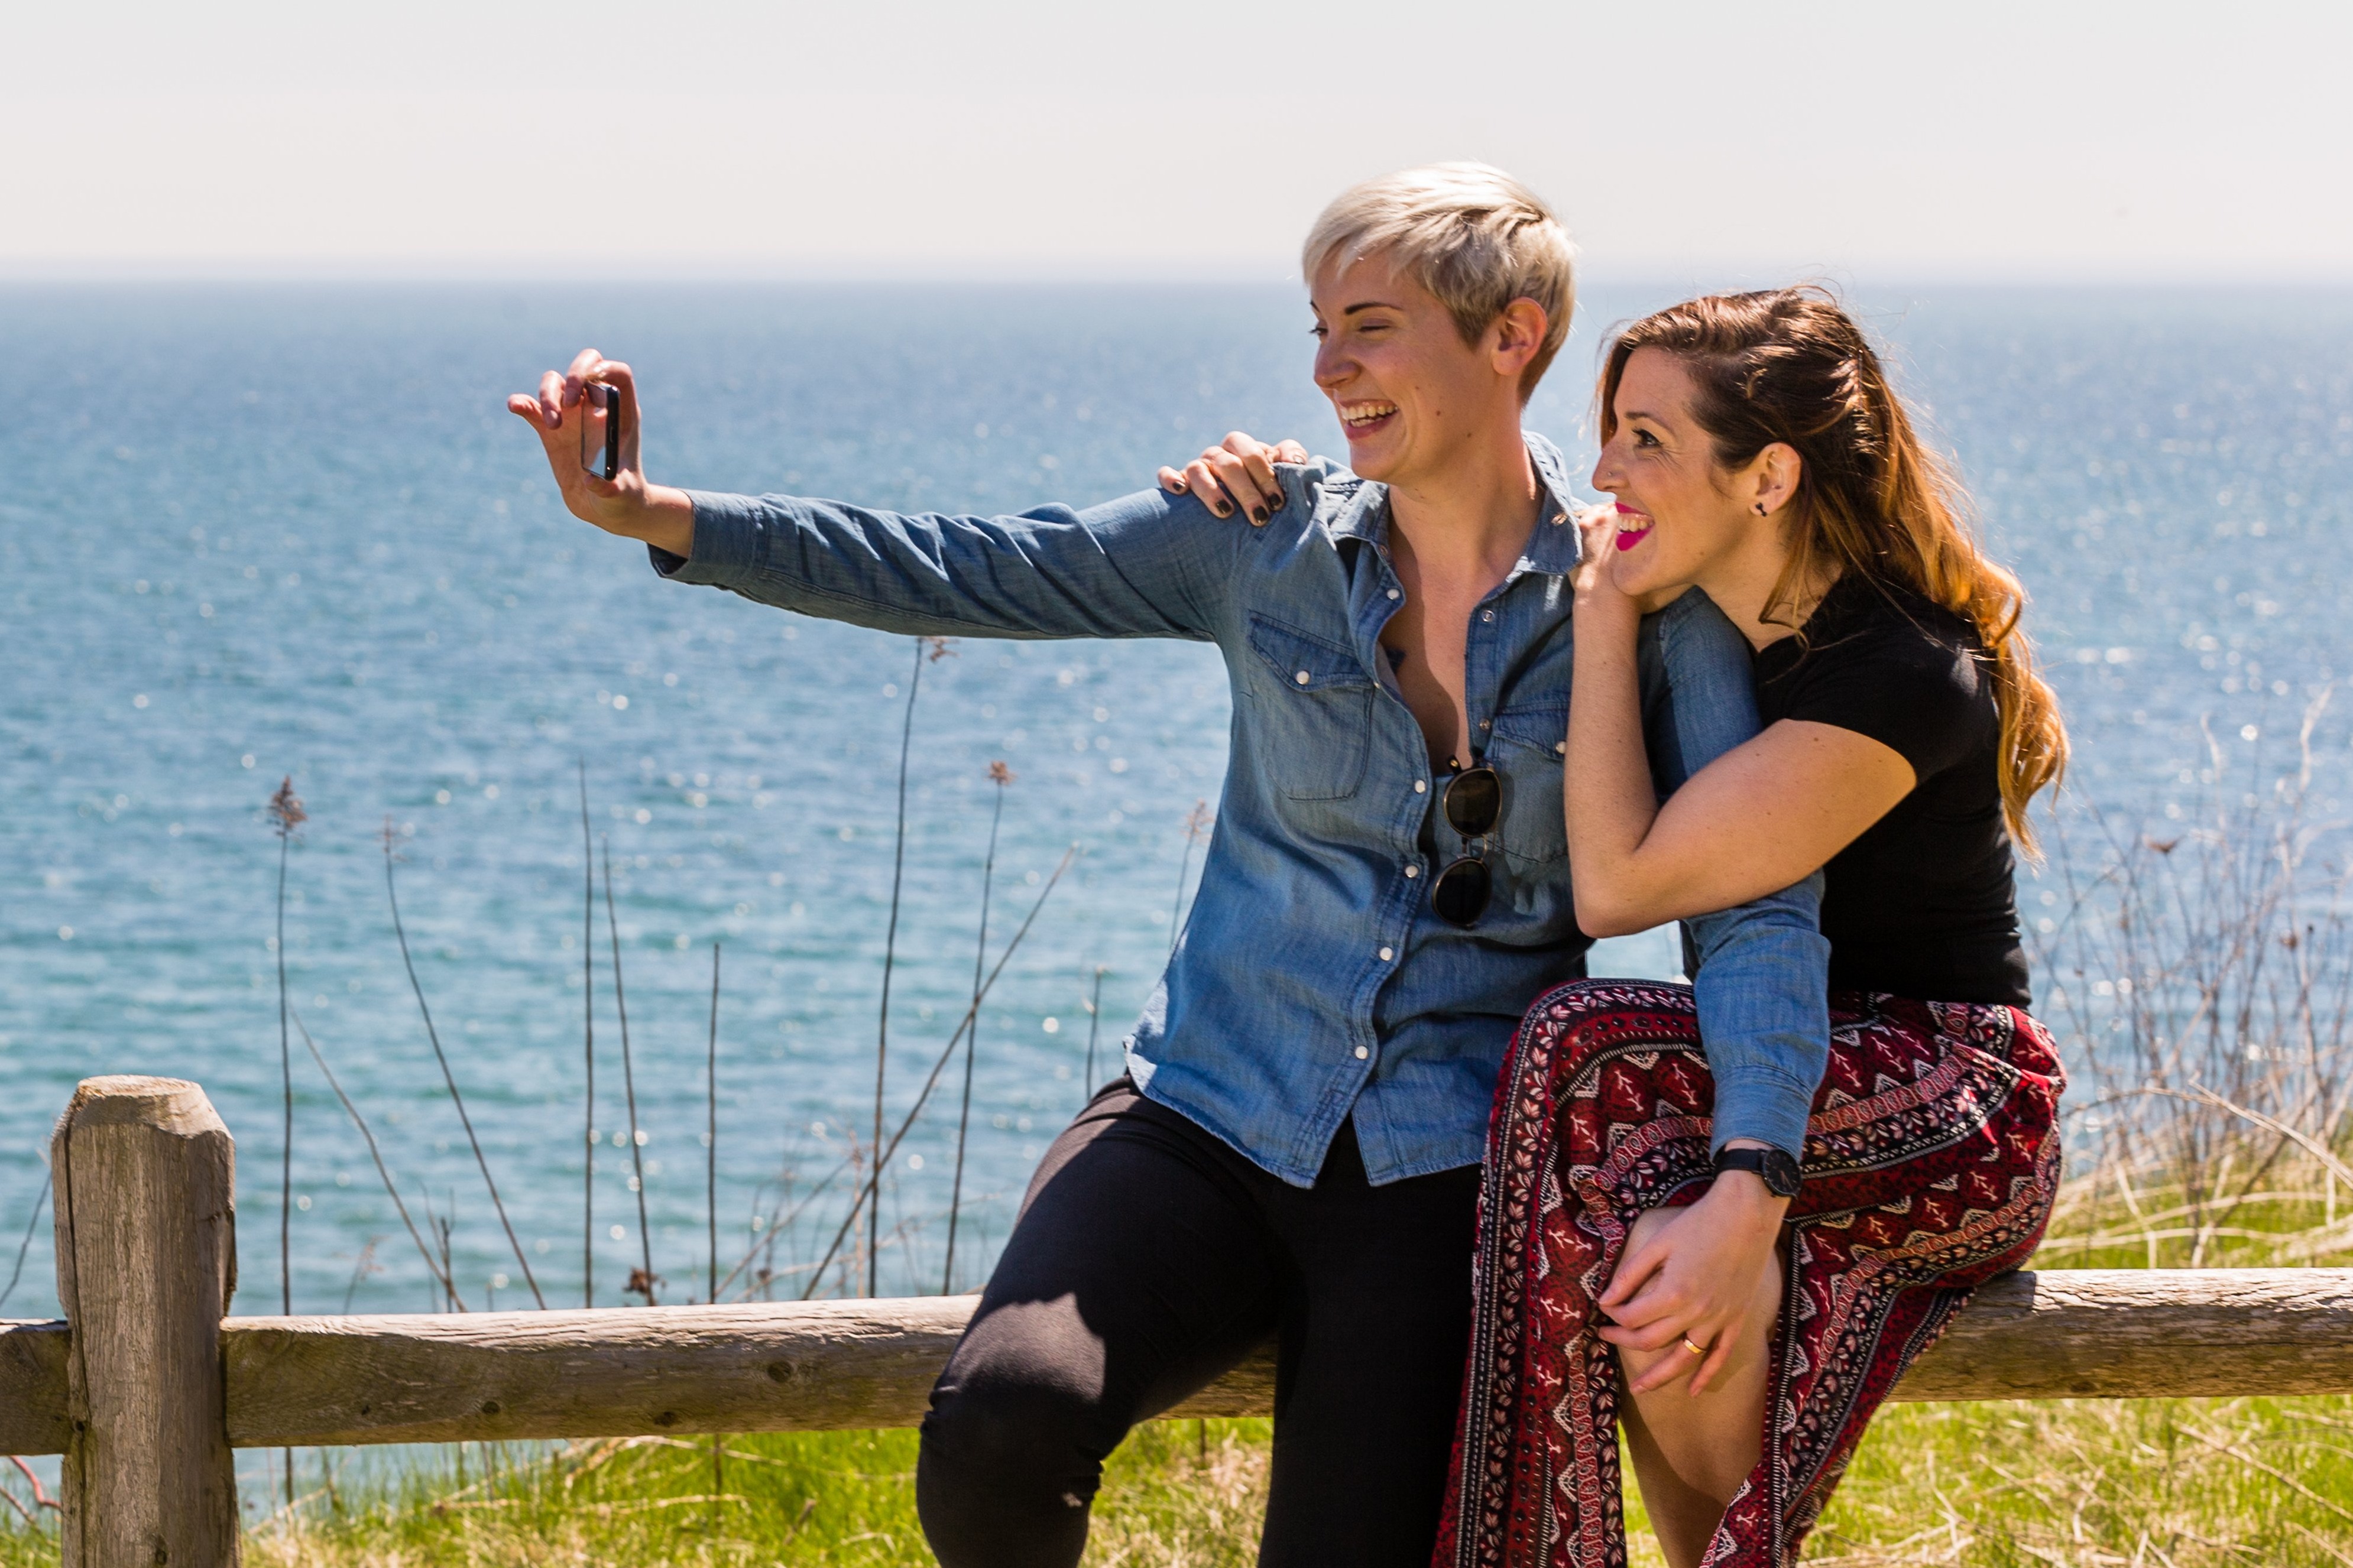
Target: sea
253	535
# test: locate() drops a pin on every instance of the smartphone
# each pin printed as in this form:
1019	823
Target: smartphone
606	402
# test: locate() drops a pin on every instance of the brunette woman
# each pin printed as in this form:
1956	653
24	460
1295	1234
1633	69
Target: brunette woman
1744	1310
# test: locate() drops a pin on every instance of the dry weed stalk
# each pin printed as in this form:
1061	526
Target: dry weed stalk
711	1191
587	1047
1197	826
871	1199
286	819
642	1278
481	1161
391	1189
927	650
1000	775
1094	1026
40	1202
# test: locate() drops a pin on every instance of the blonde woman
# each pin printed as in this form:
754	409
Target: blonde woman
1293	1154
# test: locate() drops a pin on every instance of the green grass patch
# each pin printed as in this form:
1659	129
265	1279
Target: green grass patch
2190	1483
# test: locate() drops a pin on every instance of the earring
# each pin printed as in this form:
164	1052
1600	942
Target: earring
1760	508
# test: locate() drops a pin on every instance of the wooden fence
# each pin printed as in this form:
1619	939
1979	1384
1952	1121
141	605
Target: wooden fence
146	1387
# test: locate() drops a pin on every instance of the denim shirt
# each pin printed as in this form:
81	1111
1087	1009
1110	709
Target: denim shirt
1313	982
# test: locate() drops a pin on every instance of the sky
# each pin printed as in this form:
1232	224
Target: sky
1993	142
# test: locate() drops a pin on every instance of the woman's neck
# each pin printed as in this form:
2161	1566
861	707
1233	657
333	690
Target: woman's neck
1741	583
1472	517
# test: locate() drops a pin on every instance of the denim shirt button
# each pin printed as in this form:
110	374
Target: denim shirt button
1303	677
1486	615
1421	786
1397	593
1560	747
1362	1052
1387	953
1412	871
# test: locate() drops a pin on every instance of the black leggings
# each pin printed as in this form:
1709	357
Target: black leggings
1148	1258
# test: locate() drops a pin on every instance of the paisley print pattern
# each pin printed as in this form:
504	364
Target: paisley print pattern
1930	1167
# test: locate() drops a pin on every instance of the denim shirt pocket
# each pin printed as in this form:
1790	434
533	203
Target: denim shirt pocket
1527	753
1317	703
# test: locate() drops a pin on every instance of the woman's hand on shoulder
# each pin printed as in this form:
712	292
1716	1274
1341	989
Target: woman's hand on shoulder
1235	475
564	413
1596	583
1599	604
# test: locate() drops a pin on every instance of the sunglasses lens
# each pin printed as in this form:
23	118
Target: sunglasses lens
1460	894
1473	801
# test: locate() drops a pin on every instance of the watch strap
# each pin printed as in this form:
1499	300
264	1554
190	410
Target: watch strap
1772	1166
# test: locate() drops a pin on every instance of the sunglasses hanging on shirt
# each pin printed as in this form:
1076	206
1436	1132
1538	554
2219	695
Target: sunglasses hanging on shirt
1474	802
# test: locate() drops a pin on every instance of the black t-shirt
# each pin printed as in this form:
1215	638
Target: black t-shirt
1924	904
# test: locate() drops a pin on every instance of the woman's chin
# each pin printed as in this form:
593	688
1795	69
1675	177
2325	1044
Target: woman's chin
1374	459
1637	578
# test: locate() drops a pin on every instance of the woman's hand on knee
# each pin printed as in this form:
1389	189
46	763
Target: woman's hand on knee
561	412
1701	1284
1237	474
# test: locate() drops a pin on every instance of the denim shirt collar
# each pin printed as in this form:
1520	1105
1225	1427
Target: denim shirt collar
1358	509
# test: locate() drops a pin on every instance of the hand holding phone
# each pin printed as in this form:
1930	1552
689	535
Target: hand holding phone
575	416
600	424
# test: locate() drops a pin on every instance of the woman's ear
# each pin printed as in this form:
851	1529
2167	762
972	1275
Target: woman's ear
1517	335
1774	473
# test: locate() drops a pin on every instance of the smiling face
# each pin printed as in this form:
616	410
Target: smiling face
1411	395
1682	518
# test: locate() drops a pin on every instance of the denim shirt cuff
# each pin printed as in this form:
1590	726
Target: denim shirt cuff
1753	1100
729	532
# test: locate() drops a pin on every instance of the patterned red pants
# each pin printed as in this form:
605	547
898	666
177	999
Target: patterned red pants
1930	1167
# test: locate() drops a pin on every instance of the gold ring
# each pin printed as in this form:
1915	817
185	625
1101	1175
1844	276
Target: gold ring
1695	1350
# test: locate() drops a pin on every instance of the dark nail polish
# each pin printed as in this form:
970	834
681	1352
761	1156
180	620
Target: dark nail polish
1222	510
1259	514
1278	502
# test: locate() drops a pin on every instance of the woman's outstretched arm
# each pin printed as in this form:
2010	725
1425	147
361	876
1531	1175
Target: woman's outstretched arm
1140	566
1758	820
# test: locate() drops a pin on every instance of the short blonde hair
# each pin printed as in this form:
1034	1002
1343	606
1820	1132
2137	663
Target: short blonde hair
1471	235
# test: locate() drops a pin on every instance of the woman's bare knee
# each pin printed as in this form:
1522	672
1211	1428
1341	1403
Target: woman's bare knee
1712	1440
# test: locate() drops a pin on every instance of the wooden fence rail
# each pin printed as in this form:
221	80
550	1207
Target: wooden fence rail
145	1387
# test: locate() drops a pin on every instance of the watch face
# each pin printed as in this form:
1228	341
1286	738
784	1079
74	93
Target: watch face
1776	1169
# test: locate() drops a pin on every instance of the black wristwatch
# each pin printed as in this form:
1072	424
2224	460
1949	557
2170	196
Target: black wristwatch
1779	1172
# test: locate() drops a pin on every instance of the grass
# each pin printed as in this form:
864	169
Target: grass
840	1497
2190	1483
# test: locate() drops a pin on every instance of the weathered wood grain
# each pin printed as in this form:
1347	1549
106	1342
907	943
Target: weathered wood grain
146	1261
33	1387
2146	1332
431	1378
833	1365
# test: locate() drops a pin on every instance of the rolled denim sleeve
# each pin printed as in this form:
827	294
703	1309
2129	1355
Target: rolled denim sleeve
1760	972
1145	565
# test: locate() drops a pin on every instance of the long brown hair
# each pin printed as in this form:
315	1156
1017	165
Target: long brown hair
1787	365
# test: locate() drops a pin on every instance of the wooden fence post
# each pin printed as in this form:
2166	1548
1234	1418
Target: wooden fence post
146	1262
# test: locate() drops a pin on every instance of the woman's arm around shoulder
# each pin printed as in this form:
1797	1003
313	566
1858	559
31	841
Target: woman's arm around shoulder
1760	817
1764	815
